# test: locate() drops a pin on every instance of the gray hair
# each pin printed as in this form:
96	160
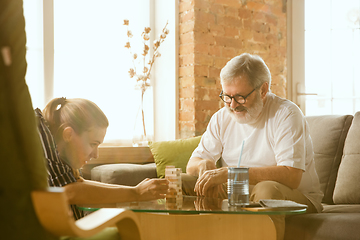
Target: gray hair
252	67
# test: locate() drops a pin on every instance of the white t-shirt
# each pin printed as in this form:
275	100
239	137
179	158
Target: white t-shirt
280	137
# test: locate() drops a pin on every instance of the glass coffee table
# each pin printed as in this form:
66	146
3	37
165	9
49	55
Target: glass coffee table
192	217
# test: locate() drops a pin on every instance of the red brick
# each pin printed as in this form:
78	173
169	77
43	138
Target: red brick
276	10
187	129
186	27
272	2
202	92
217	9
259	16
207	104
202	59
186	116
259	37
231	32
217	30
245	34
230	3
244	13
210	83
204	17
185	6
186	60
201	48
228	42
228	52
220	62
247	24
202	116
188	126
186	48
271	39
214	72
271	19
261	27
198	82
186	82
231	12
278	89
186	92
200	127
214	93
186	16
186	71
187	104
260	7
201	70
202	5
229	21
215	51
201	26
204	38
187	37
205	83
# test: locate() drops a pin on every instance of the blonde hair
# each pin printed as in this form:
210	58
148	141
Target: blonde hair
252	67
77	113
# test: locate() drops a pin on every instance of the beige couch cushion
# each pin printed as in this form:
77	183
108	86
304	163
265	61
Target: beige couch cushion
123	173
347	188
328	134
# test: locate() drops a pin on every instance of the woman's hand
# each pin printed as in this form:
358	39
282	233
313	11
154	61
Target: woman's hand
150	189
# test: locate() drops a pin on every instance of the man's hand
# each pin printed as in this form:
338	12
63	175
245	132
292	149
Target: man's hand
205	170
210	182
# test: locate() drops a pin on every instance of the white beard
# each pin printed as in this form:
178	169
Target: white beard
251	113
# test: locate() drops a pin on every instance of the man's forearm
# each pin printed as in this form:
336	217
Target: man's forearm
192	167
198	165
288	176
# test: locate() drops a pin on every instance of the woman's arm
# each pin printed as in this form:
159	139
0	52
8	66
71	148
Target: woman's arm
92	192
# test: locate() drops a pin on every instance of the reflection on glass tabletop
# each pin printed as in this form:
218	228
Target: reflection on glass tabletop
194	205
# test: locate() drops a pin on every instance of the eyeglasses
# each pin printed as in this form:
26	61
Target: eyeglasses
238	98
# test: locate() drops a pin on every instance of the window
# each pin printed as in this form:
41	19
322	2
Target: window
326	56
90	60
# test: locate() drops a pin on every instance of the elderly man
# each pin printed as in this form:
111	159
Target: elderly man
277	145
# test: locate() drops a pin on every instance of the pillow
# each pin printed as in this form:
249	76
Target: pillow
347	187
328	134
176	153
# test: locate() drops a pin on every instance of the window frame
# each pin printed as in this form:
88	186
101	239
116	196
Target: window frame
296	52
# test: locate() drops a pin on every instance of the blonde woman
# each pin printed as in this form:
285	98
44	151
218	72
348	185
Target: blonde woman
71	131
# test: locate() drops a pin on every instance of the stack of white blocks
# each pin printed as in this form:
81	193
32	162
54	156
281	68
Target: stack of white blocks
174	199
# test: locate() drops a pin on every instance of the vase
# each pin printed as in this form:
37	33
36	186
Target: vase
140	136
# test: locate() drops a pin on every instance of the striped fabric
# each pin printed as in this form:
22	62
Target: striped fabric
59	173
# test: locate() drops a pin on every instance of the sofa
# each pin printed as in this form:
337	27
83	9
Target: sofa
336	142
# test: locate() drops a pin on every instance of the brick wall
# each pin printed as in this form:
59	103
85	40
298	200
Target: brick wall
211	33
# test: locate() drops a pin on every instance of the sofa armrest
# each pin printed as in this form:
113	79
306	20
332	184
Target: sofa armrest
123	173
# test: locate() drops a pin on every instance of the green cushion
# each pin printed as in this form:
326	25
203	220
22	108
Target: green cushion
175	153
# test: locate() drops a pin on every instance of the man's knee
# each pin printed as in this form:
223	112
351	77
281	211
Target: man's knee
267	190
